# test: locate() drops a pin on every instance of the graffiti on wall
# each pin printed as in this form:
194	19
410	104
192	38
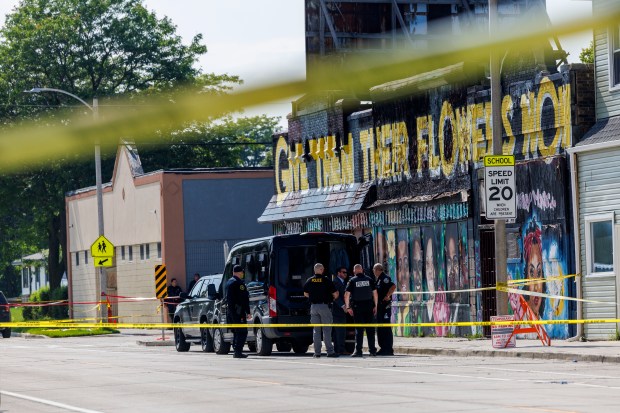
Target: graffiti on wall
543	241
398	142
430	266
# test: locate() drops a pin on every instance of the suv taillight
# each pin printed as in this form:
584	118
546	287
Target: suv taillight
273	311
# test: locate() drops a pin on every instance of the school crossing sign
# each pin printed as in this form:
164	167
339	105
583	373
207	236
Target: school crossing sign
499	185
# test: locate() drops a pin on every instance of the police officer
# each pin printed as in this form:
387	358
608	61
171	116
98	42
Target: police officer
339	312
238	312
385	289
361	300
321	292
174	291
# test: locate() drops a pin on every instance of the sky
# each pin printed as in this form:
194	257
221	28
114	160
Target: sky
263	41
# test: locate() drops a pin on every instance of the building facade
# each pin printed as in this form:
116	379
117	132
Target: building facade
408	170
595	185
182	218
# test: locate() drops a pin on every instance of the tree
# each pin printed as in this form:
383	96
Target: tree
226	142
101	48
587	54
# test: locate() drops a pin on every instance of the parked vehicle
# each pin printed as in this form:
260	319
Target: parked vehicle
196	307
276	269
5	315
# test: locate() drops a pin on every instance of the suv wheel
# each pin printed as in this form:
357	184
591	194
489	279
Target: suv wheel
6	333
206	339
179	339
300	348
264	345
219	345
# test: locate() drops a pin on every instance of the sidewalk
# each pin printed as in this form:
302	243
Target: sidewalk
592	351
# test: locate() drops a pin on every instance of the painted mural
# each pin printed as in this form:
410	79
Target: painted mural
543	241
429	264
422	138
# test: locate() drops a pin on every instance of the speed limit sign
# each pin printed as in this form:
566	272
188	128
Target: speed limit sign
499	185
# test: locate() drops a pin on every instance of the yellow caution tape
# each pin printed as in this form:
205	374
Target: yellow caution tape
34	324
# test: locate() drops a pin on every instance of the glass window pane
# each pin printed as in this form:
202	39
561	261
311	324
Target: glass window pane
602	246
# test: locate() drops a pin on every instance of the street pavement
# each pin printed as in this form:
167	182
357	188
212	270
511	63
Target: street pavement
591	351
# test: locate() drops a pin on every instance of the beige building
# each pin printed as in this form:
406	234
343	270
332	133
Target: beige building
180	218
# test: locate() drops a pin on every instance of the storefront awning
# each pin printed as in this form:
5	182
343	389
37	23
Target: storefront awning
333	200
418	198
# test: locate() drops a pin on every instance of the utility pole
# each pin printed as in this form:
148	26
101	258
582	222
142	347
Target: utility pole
103	277
501	277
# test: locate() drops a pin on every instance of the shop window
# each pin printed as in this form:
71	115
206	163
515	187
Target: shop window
614	57
599	244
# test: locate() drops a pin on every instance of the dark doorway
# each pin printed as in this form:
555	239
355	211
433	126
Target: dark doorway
487	277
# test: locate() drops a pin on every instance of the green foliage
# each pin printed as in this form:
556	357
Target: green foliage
227	142
89	48
587	54
47	312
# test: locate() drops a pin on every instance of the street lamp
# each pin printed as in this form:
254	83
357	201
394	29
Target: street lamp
94	108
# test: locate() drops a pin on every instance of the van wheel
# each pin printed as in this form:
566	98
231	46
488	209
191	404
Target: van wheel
179	340
283	346
206	340
219	345
264	345
6	333
299	348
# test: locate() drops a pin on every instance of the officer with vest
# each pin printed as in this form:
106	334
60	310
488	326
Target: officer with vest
238	311
385	289
321	292
361	301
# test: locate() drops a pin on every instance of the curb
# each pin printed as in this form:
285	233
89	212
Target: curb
159	343
593	358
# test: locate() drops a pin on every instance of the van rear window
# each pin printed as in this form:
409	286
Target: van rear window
296	265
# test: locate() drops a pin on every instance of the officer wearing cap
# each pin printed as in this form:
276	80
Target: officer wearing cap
385	289
321	292
238	312
361	300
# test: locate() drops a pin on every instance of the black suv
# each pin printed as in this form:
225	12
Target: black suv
5	315
196	307
276	269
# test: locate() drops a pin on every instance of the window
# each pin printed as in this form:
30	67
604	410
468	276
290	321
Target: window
159	250
123	253
147	250
130	252
600	244
25	278
77	259
614	57
142	252
86	257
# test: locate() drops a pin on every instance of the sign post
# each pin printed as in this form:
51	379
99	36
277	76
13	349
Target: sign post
161	292
102	251
499	185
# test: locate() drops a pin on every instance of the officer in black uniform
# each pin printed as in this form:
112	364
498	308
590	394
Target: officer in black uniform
238	311
385	289
361	300
339	312
321	292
